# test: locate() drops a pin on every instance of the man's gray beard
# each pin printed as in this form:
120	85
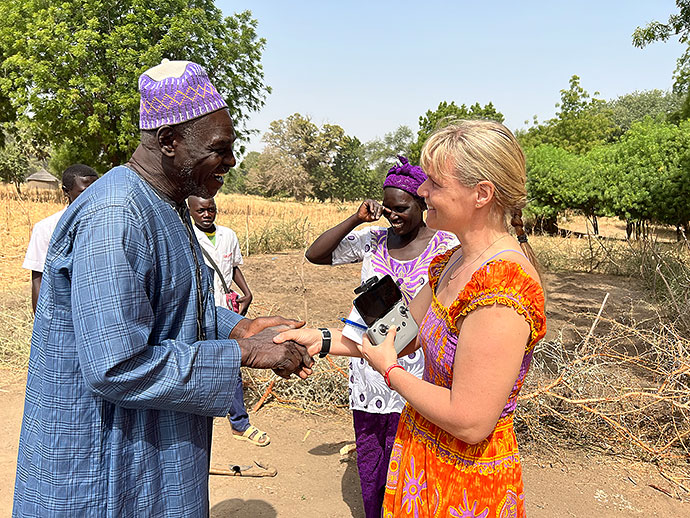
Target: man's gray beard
189	187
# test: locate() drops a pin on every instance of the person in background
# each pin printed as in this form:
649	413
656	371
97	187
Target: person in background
130	357
404	250
222	254
75	179
480	316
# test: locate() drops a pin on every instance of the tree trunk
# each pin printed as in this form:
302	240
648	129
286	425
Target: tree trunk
628	229
547	225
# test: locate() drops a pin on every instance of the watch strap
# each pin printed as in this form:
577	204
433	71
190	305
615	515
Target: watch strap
325	342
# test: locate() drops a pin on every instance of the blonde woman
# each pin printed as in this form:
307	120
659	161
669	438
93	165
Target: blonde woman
480	316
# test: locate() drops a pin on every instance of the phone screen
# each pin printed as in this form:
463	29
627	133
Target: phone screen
378	301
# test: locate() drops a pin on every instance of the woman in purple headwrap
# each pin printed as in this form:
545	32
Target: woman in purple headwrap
404	250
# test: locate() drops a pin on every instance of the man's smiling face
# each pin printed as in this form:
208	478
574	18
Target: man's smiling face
203	153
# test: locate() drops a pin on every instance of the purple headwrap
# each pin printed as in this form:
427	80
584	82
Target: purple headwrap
175	92
406	176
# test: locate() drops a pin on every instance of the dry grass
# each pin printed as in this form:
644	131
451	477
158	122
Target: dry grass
265	225
262	225
626	392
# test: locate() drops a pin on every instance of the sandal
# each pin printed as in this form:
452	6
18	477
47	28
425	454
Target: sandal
254	436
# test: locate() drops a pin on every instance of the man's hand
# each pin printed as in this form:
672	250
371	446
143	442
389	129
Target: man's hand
287	358
250	326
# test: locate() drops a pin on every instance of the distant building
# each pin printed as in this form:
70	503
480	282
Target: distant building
42	180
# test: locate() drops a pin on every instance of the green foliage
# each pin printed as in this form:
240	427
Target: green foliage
636	106
677	25
354	179
444	115
236	180
72	68
314	150
582	123
22	153
551	179
382	153
645	177
652	163
278	173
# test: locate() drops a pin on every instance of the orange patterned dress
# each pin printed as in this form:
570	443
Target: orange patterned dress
432	473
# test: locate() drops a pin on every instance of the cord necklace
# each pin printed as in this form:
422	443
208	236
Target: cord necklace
458	272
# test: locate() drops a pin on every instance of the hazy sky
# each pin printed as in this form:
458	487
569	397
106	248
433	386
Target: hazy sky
370	66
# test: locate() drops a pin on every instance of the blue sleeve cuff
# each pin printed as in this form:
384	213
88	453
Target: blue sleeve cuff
226	321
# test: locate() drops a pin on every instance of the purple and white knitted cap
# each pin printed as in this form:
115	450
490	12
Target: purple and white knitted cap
175	92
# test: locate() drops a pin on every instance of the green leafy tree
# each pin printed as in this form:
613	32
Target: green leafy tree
71	68
382	153
278	173
551	181
22	152
636	106
445	114
236	180
652	162
678	24
312	147
582	122
354	179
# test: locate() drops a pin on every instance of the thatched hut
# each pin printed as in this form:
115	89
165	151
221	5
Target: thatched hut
42	180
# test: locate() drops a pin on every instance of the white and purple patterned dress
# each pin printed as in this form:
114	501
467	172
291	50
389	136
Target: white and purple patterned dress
368	390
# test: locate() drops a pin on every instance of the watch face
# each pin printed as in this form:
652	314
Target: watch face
378	300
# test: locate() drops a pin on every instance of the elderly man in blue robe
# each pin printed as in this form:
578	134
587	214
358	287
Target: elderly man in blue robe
130	357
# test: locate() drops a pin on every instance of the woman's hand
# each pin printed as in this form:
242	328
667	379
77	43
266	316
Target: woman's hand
370	210
380	357
308	337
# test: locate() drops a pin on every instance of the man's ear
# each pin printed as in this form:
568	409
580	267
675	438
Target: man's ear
485	193
165	136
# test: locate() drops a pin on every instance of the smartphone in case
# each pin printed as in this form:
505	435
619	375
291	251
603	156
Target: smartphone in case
381	306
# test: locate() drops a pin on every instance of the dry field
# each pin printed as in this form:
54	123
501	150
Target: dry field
604	419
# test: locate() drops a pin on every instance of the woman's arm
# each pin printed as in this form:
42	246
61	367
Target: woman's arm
312	339
488	356
343	346
321	250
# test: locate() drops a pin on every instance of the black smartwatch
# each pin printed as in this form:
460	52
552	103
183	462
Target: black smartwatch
325	341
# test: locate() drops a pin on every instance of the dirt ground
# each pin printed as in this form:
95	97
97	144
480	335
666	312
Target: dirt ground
314	481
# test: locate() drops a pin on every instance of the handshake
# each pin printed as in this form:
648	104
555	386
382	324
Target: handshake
259	351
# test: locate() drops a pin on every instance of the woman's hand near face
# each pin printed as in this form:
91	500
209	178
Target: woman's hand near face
370	210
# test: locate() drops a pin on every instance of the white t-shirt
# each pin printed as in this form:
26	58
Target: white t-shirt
368	389
36	253
225	253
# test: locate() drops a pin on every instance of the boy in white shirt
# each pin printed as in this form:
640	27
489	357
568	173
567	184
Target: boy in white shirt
75	179
222	254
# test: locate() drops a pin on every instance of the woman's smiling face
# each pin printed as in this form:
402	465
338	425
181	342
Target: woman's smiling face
406	213
449	203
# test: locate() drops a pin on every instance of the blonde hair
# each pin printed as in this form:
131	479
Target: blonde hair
473	151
